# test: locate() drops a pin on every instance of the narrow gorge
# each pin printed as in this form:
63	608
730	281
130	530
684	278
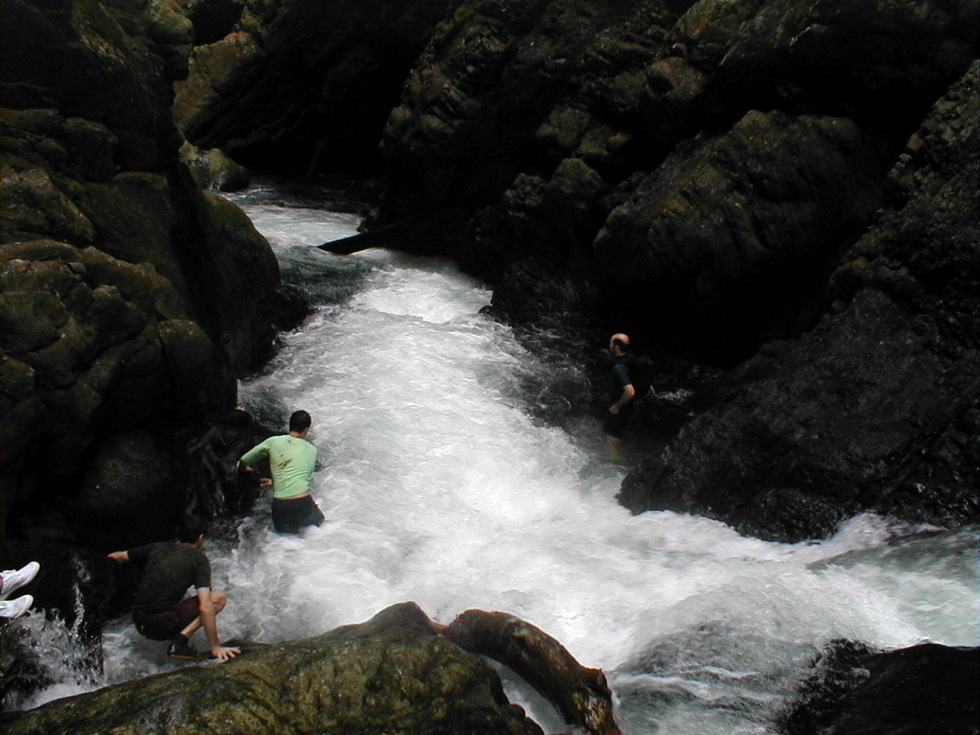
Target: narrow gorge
778	201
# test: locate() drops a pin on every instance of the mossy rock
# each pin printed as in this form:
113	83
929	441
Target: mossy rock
393	674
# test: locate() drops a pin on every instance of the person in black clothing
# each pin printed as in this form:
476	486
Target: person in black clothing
160	611
621	392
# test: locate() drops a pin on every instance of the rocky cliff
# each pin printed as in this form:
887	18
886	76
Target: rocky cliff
129	297
877	405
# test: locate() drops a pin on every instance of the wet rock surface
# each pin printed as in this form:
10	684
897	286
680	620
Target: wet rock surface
392	674
927	688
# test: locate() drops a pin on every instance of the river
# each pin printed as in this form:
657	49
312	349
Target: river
442	487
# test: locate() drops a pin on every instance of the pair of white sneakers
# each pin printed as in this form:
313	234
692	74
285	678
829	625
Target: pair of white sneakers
13	580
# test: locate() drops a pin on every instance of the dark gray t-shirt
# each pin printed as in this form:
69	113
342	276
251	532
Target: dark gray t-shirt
167	570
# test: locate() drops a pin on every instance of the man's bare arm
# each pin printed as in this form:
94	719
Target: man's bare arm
210	623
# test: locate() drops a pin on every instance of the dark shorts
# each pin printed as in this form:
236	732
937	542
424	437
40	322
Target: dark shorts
291	514
615	424
165	624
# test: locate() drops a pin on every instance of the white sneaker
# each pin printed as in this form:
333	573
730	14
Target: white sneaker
16	608
14	579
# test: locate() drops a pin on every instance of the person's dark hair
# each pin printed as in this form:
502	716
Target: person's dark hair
299	421
624	346
191	528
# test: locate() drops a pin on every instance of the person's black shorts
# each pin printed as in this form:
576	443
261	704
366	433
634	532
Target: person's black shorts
291	514
615	424
165	624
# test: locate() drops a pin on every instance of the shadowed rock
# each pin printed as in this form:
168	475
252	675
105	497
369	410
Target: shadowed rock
129	299
727	242
854	691
326	72
878	407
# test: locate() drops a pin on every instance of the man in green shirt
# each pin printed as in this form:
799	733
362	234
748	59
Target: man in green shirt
292	460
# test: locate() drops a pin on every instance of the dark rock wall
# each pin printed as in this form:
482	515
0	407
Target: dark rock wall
724	149
726	244
304	86
128	297
877	406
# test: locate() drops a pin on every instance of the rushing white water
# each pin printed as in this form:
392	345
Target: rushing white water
441	489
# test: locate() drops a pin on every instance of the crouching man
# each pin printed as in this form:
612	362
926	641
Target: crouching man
167	570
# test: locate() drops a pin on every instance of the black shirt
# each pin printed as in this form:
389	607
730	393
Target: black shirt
168	569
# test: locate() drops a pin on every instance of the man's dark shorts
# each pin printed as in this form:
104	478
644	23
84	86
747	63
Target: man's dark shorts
164	625
615	425
291	514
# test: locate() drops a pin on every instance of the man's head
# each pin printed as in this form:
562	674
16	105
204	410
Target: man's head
192	530
619	344
300	422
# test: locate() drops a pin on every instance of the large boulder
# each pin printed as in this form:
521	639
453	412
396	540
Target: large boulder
392	674
729	241
878	407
